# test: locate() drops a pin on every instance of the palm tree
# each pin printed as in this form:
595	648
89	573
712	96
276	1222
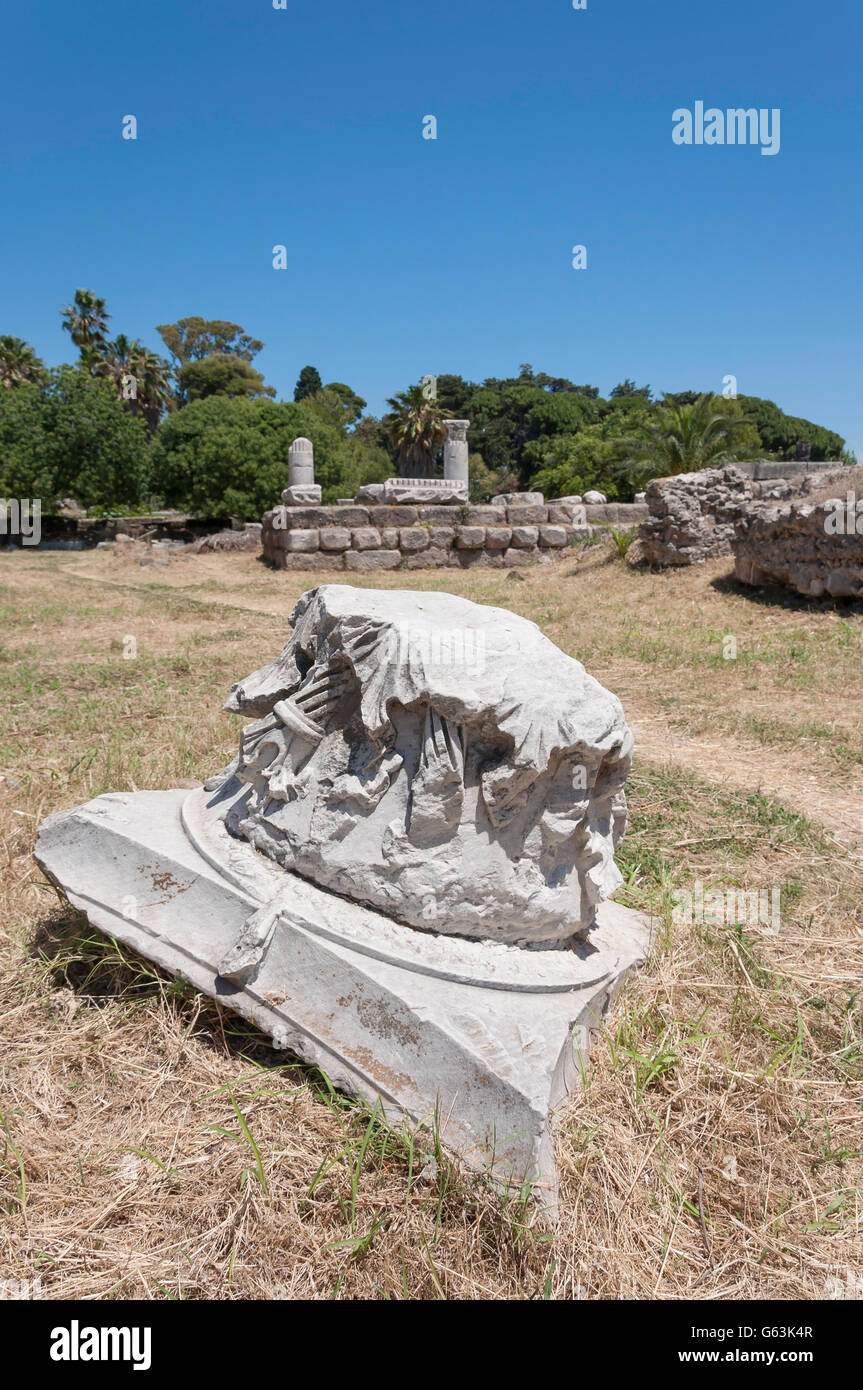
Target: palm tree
18	362
677	438
118	357
86	319
127	361
416	429
153	376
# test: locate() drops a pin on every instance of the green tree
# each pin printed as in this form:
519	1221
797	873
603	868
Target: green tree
19	364
140	378
198	340
308	382
72	439
629	388
193	338
337	404
571	464
99	451
453	395
353	404
227	458
26	466
86	321
779	432
682	439
220	375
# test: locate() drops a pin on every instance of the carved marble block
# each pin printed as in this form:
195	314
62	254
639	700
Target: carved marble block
405	873
407	756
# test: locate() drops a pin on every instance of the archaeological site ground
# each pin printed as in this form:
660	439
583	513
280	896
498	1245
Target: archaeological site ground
157	1145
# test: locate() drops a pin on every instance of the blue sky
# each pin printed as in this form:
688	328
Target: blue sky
303	127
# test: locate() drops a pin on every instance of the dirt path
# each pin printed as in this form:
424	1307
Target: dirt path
750	768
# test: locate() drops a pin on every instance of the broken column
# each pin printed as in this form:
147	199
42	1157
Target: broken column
302	490
455	455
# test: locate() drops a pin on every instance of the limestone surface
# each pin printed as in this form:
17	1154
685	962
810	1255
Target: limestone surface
814	548
425	491
436	759
693	515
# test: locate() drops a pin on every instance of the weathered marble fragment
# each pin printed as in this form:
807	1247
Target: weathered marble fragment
439	760
404	875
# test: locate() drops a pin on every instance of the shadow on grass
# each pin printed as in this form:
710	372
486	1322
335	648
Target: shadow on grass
777	596
101	970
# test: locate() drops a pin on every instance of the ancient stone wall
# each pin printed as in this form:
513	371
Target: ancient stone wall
813	547
353	537
692	515
356	537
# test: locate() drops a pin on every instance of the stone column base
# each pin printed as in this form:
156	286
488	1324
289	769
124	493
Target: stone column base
491	1037
302	495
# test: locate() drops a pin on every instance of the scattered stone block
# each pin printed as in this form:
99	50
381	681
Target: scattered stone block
302	495
518	499
419	491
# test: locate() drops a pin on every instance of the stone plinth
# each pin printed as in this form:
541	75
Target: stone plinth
413	1022
413	536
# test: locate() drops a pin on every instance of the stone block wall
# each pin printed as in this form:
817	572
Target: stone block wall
811	547
692	515
351	536
366	538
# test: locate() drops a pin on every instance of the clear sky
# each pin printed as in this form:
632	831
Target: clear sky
303	126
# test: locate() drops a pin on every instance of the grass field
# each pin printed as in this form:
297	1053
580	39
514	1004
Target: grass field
153	1146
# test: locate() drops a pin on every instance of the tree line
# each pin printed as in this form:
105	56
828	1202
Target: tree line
125	428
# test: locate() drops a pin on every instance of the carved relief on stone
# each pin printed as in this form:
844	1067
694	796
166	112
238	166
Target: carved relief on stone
481	798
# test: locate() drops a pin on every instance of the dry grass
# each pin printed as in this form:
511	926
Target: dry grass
125	1167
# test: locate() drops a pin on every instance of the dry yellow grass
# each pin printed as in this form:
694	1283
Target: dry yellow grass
735	1056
